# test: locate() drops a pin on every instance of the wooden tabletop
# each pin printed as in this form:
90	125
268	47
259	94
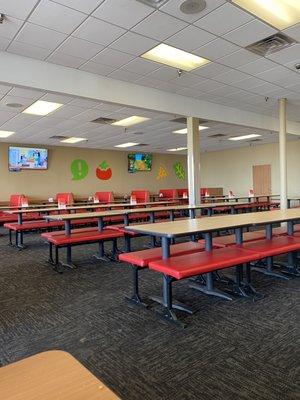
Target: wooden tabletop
87	206
201	225
52	375
110	213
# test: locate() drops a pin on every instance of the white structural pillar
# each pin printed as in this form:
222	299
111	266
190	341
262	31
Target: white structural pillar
282	154
193	160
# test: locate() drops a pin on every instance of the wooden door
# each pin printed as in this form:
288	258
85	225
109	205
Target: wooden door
261	179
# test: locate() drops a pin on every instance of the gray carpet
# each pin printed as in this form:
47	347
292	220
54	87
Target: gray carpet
236	350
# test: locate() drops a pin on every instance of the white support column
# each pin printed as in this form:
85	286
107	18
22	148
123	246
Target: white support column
282	154
193	160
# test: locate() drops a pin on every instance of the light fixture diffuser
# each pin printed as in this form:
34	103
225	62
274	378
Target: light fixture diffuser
73	140
41	107
244	137
177	149
128	144
184	130
279	13
173	57
5	134
134	120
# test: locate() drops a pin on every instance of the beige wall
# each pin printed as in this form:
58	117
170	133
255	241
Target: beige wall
232	169
42	184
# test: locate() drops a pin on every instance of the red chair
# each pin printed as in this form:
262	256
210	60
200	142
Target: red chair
142	196
16	200
181	192
168	194
65	198
104	197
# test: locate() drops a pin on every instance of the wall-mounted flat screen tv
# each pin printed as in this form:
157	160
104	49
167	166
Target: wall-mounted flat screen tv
139	162
27	158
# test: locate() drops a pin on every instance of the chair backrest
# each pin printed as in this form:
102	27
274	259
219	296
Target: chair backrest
204	192
230	194
181	192
169	194
66	198
142	196
104	197
16	200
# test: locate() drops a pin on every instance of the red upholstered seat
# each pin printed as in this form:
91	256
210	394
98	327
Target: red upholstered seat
31	225
275	246
46	235
229	240
182	191
104	197
168	194
142	196
283	231
83	237
203	262
66	198
143	257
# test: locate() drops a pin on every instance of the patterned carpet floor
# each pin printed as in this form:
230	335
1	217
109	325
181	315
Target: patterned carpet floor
238	350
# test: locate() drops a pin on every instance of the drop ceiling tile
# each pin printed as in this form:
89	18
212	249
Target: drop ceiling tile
122	12
57	17
238	58
28	50
224	91
57	98
79	48
4	43
66	60
257	66
210	70
16	8
264	89
231	77
124	75
286	55
39	36
85	103
87	116
159	26
67	111
141	66
97	31
190	38
10	27
149	82
4	89
293	32
280	76
86	6
216	49
250	33
96	68
224	19
27	93
249	83
113	58
133	43
209	85
164	74
173	8
187	79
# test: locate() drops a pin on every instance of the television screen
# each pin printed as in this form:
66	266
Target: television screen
27	158
139	162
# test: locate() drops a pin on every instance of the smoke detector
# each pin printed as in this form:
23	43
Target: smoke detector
271	44
192	6
153	3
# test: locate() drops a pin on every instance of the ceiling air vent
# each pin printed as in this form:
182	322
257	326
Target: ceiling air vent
182	120
104	121
153	3
217	135
58	137
271	44
142	145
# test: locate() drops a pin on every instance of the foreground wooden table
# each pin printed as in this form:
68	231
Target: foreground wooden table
52	375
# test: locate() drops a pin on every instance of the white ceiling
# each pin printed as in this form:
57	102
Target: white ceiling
75	116
106	37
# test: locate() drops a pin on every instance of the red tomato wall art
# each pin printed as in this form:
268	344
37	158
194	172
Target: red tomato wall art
103	171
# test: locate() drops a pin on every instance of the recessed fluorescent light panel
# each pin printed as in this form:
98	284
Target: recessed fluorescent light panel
178	149
279	13
253	135
42	108
173	57
184	130
128	144
134	120
5	134
73	140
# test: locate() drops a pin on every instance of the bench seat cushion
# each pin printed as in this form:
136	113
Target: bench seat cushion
46	235
83	237
143	257
31	225
203	262
275	246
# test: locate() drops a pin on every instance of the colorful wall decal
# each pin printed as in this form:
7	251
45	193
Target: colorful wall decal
179	170
161	173
103	171
79	169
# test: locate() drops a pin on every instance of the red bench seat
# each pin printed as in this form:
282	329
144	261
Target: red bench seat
79	236
46	235
30	225
273	247
203	262
229	240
